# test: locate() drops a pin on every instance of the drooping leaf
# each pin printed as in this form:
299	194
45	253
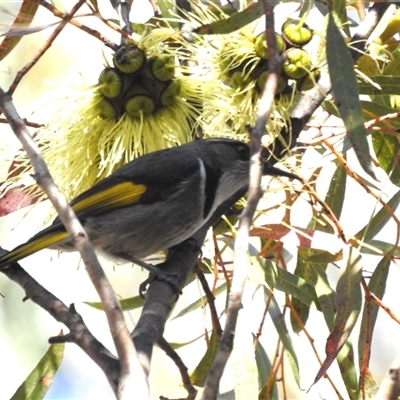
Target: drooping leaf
199	375
309	238
348	302
95	5
28	30
130	303
388	84
345	359
200	302
393	67
264	369
379	220
336	192
303	270
345	90
287	282
377	286
40	379
387	150
368	383
281	328
326	296
133	303
25	16
233	23
384	247
244	366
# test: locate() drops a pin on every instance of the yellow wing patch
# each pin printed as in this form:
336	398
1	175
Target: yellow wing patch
120	195
32	246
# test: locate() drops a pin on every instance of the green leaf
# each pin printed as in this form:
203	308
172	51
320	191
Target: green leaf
383	246
337	190
388	85
370	386
377	286
303	270
348	302
281	328
264	369
244	366
345	90
345	359
378	221
233	23
387	148
130	303
372	110
393	68
133	303
200	302
326	296
40	379
167	10
199	375
339	9
25	16
95	5
59	5
287	282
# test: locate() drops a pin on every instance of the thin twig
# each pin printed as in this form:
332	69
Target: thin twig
210	300
171	353
79	333
90	31
49	42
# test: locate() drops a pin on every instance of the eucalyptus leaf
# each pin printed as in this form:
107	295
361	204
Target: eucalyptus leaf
345	90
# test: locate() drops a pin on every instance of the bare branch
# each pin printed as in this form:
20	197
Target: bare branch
79	333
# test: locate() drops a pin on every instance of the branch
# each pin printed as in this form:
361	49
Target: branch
49	42
180	261
129	364
150	327
79	333
255	193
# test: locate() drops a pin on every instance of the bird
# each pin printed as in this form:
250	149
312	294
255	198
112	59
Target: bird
154	202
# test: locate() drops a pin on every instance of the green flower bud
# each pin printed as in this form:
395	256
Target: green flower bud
295	33
297	63
108	109
110	83
162	67
170	92
260	45
129	59
138	101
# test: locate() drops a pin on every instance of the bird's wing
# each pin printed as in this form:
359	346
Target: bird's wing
107	197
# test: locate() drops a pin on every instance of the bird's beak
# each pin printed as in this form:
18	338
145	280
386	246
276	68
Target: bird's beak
271	170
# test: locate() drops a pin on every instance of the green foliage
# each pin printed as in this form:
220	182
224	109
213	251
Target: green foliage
40	379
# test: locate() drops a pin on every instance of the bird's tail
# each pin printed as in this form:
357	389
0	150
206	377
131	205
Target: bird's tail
44	239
